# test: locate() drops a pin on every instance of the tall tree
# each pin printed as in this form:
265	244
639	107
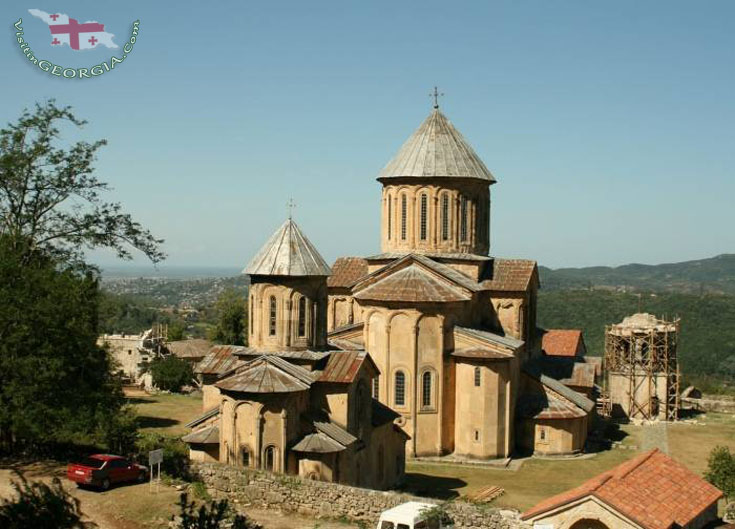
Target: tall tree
231	314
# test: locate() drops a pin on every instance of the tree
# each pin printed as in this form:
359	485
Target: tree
214	515
40	506
49	197
721	470
170	373
231	318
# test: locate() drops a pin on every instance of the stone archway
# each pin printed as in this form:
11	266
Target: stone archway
589	524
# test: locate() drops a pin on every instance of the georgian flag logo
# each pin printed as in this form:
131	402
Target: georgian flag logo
67	30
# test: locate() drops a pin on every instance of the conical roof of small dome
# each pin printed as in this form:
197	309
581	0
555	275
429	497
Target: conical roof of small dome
288	253
437	149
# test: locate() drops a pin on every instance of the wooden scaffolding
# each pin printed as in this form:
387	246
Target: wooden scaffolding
640	353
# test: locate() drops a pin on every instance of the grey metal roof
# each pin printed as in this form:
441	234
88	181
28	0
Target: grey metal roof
318	443
220	360
268	374
436	149
505	341
208	435
288	253
335	431
212	412
577	398
291	355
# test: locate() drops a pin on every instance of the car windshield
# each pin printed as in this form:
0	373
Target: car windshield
90	462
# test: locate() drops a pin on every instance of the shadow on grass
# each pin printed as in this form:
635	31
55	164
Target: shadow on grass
690	413
138	400
440	487
145	421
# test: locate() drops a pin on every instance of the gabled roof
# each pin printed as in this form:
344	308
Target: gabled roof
436	149
318	443
568	372
415	278
534	371
562	342
288	253
208	435
653	490
490	337
220	360
306	355
192	348
347	270
511	275
210	413
343	366
547	405
268	374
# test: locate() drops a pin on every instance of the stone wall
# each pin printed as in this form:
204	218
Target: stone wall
329	500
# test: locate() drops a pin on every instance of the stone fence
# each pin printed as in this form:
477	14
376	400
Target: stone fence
329	500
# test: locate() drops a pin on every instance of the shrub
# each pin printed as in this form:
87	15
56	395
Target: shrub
170	373
211	516
721	470
40	506
175	454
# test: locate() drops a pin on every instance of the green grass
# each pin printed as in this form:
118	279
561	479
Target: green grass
691	443
166	414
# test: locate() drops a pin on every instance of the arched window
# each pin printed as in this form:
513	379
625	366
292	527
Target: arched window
404	213
245	456
302	316
478	377
376	387
445	217
426	389
270	458
463	218
424	207
399	393
272	320
390	216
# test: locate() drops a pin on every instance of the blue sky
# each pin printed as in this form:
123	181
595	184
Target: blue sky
608	125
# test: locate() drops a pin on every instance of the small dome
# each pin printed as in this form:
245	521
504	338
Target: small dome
288	253
437	149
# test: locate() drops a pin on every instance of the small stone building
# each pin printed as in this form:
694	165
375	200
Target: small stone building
651	491
287	404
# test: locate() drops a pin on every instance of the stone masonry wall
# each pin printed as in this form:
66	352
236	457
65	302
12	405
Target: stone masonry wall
329	500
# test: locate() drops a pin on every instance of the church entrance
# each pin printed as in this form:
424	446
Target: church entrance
589	524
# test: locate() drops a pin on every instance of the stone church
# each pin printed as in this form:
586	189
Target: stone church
426	349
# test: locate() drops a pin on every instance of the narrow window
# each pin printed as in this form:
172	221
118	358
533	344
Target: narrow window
542	434
477	435
376	387
390	216
272	321
400	389
403	217
426	389
445	217
477	377
423	216
245	456
270	458
302	316
463	218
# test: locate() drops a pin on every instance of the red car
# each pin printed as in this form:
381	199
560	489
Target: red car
104	470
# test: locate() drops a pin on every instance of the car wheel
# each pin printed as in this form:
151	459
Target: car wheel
105	484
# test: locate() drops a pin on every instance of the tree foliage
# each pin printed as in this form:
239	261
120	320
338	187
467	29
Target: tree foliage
50	198
170	373
40	506
721	470
231	319
214	515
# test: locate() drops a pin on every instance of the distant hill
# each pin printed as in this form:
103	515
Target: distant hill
713	275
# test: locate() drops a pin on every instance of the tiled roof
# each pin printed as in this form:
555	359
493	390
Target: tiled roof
288	253
343	366
193	348
412	284
652	489
313	356
268	374
220	360
511	275
347	270
561	342
208	435
436	148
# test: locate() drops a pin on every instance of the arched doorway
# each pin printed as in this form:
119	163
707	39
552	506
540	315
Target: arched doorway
270	458
589	524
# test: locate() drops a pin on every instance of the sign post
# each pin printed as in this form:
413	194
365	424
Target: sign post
155	457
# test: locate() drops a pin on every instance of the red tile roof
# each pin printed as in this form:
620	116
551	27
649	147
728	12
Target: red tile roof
562	342
347	270
343	366
652	489
513	275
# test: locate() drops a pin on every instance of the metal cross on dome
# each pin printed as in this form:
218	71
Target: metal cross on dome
436	95
290	205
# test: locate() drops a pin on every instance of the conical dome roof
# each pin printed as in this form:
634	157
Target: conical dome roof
288	253
437	149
